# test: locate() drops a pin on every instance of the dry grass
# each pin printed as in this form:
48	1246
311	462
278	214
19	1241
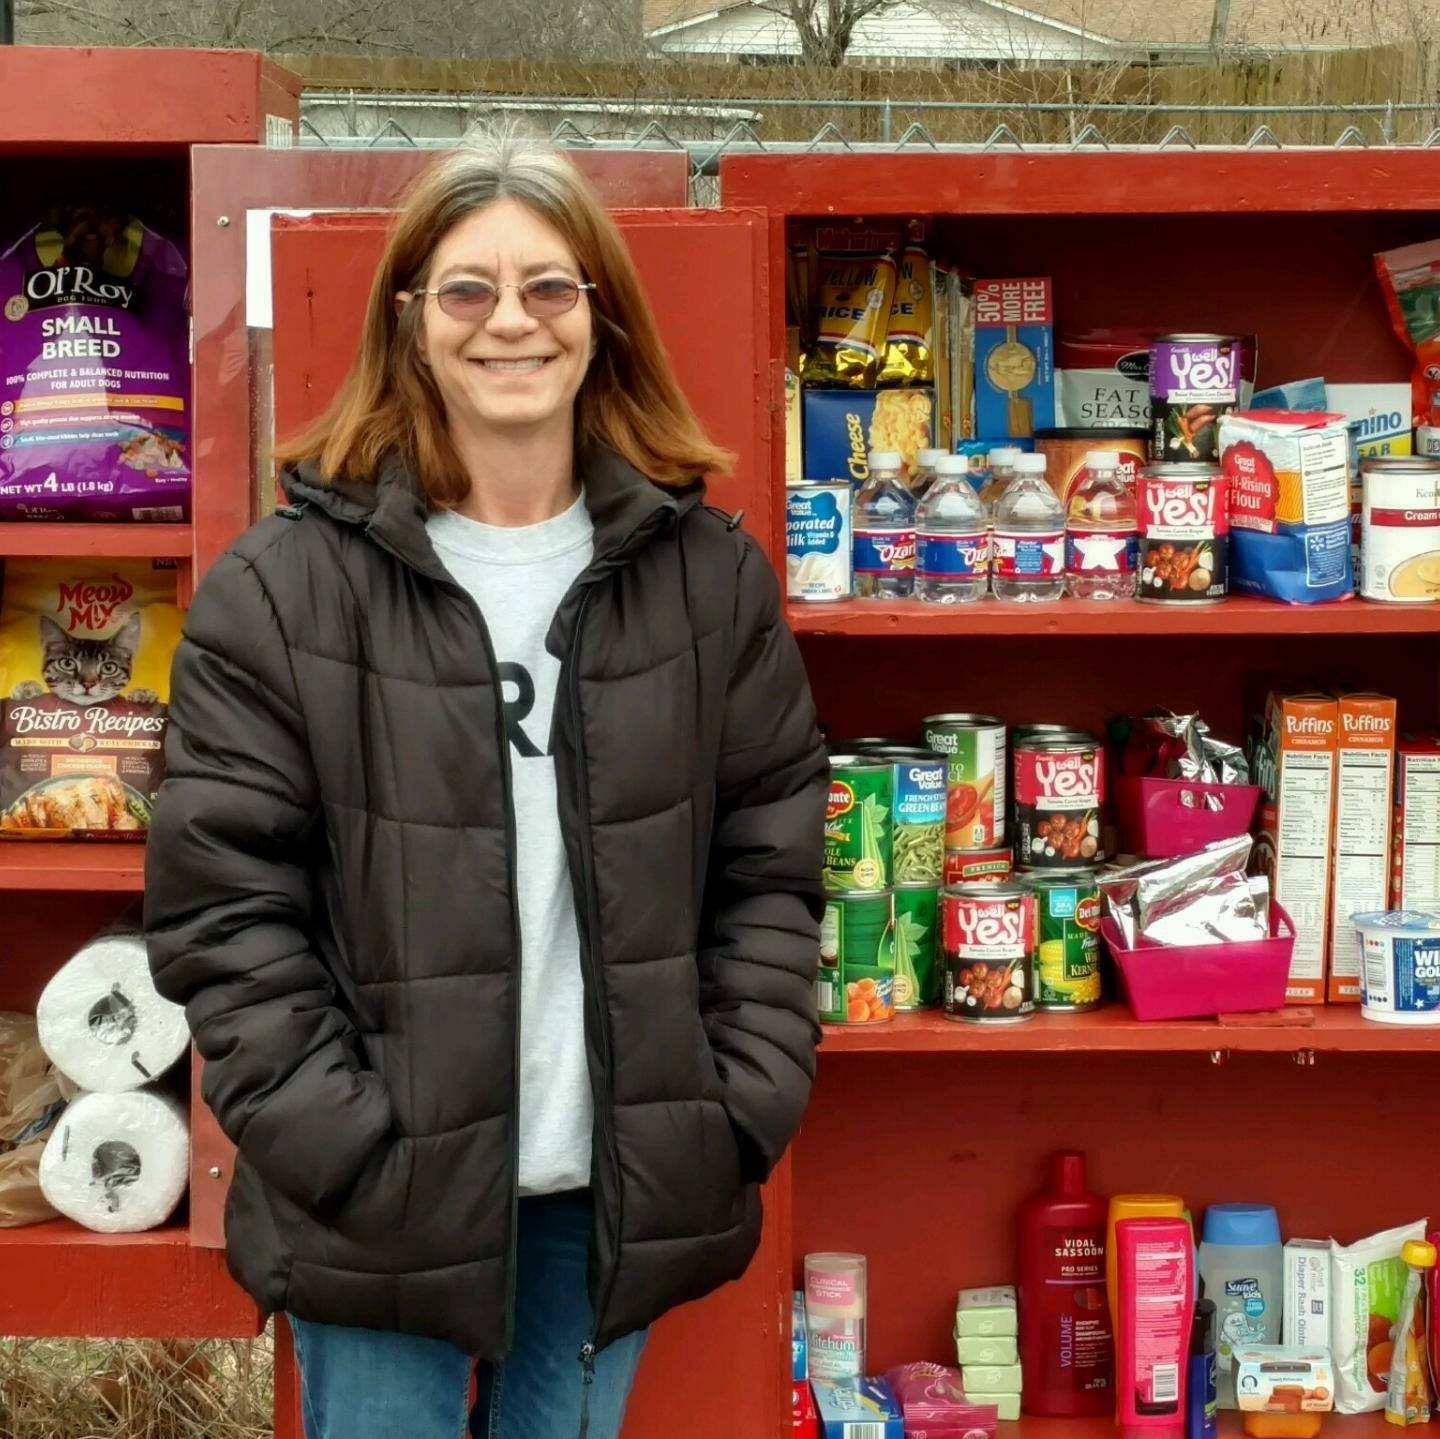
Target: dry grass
136	1389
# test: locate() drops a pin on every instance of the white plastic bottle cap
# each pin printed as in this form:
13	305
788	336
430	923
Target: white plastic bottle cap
1030	464
1103	460
1007	455
931	458
952	465
884	460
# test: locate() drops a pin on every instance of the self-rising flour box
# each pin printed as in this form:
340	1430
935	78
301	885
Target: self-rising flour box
1365	780
1295	763
1415	872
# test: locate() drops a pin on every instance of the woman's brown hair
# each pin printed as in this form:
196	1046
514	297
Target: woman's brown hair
389	403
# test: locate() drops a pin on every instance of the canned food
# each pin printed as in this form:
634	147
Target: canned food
1047	731
818	544
917	811
1067	948
1059	792
1400	531
917	946
972	866
855	983
1184	520
858	838
1194	379
871	742
974	748
988	937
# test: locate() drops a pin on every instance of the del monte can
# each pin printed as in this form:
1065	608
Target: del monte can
858	832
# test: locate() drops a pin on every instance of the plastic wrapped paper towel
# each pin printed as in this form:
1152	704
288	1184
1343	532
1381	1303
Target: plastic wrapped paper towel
101	1021
117	1163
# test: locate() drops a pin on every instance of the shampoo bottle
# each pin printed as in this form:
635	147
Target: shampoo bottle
1156	1307
1242	1269
1066	1352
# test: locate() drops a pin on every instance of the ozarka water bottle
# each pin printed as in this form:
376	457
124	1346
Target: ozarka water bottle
952	563
1100	533
1028	559
884	533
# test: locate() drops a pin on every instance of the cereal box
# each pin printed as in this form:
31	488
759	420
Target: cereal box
1295	764
1365	778
842	426
1014	358
1415	871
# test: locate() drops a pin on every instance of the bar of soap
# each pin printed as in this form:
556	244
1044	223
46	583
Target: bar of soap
987	1349
986	1313
1007	1405
991	1379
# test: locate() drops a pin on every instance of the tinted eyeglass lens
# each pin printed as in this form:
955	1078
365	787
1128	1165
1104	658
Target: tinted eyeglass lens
552	295
475	300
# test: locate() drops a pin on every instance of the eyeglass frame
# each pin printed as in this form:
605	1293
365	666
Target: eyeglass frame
581	287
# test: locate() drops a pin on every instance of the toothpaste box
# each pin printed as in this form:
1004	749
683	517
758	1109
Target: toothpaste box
1014	323
1364	812
1415	869
1305	1305
804	1421
841	427
858	1409
1295	765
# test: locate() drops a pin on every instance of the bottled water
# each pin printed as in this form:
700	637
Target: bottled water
1002	471
1028	556
884	533
1100	533
953	545
922	472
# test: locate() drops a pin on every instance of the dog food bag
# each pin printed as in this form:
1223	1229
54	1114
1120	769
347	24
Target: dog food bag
1369	1279
85	651
94	372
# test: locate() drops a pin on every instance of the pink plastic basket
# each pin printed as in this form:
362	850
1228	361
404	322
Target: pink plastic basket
1200	980
1164	817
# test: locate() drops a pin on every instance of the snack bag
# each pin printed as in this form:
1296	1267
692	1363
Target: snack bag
910	334
94	372
85	651
856	292
1410	278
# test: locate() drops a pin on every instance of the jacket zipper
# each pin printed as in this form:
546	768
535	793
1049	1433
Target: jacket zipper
507	795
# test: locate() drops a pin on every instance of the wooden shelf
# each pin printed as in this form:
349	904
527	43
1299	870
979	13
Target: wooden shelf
162	542
78	865
912	619
1339	1029
65	1281
1337	1426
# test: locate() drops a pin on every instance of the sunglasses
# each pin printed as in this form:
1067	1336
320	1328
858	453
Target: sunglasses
475	300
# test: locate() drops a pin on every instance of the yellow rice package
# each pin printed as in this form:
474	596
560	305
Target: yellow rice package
85	652
856	291
910	334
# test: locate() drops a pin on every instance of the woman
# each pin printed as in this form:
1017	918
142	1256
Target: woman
488	864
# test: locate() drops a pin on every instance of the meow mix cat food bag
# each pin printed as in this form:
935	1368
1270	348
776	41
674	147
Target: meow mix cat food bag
94	372
85	651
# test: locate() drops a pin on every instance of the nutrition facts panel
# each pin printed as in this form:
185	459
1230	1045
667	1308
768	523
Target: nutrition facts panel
1303	854
1420	855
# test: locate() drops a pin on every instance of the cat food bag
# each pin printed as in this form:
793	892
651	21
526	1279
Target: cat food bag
85	651
94	372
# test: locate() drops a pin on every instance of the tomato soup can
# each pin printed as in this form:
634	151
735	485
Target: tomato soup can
974	749
917	946
1067	948
974	866
1059	795
1194	380
855	983
917	809
1400	531
1184	523
987	933
858	832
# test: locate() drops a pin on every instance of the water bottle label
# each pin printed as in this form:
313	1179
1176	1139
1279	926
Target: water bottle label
884	552
952	557
1101	552
1030	556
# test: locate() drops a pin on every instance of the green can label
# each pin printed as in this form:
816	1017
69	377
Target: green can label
917	947
856	980
1067	960
858	832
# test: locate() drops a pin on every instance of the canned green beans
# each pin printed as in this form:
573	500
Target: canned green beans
917	812
859	841
917	946
856	980
1067	957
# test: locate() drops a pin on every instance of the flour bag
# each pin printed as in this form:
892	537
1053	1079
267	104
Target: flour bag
94	372
85	651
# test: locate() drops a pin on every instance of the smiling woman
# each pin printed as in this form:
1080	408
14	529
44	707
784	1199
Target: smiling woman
488	865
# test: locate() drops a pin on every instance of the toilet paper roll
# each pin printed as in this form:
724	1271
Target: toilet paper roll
117	1163
101	1021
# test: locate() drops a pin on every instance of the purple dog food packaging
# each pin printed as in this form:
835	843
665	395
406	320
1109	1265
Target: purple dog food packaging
94	372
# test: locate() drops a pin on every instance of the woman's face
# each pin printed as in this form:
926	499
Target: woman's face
510	371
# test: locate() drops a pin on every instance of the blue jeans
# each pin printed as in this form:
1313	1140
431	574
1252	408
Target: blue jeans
364	1384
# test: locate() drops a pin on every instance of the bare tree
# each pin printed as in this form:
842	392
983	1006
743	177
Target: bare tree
825	27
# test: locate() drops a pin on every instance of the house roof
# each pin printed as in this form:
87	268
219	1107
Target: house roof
1253	24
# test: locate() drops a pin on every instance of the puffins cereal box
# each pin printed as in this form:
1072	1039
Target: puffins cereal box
1014	358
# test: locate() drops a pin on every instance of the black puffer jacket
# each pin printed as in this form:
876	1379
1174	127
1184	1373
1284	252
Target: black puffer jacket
330	892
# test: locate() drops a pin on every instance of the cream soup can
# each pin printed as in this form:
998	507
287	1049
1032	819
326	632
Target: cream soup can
1400	531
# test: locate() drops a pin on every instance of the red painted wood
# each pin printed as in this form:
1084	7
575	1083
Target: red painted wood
110	541
51	865
1237	615
1064	183
289	1422
97	98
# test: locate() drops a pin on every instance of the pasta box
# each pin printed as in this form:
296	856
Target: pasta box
1014	324
858	1409
841	427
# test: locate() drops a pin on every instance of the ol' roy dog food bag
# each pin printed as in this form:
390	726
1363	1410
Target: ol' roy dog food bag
94	372
85	651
